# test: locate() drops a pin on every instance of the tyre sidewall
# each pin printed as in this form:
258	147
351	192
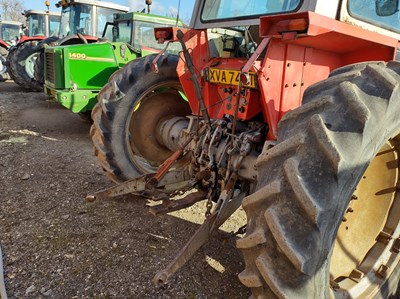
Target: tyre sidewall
134	82
19	74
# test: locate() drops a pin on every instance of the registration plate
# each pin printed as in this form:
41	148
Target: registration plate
229	77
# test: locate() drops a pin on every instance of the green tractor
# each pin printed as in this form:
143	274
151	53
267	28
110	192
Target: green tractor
130	36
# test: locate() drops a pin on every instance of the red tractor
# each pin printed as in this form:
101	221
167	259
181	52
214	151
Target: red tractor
297	122
21	57
10	33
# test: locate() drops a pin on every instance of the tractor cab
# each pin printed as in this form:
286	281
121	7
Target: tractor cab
378	16
137	30
10	32
40	23
87	17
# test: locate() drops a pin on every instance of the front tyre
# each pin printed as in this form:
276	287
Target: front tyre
21	64
129	108
325	219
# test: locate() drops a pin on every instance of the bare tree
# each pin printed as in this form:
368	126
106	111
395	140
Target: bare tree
11	10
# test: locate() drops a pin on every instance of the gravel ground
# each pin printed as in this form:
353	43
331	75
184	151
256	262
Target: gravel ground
55	245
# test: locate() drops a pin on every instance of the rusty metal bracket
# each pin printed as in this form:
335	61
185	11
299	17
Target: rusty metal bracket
396	246
164	168
228	203
264	43
154	66
200	237
169	183
175	205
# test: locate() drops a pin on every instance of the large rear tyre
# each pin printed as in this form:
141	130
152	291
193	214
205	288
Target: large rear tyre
21	63
125	118
324	221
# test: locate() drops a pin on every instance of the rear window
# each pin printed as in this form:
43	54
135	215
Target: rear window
214	10
367	11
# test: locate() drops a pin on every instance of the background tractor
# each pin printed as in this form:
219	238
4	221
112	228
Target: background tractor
81	22
298	123
21	57
130	36
10	33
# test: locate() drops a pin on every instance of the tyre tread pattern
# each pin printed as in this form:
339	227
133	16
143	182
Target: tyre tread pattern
306	180
15	60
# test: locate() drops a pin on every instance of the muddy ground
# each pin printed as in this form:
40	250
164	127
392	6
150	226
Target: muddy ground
56	245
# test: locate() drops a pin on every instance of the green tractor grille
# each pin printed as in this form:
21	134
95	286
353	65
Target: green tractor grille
49	67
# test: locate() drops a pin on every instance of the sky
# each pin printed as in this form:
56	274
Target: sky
162	7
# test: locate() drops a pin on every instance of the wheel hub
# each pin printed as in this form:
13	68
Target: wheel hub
30	65
362	246
149	127
168	131
3	67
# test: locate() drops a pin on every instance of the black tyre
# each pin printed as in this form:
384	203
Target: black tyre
21	62
126	115
39	63
324	221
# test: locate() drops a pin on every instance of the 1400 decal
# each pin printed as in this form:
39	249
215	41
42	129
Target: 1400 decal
77	56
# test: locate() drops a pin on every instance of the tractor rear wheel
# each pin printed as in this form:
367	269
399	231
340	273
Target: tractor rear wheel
21	64
129	108
325	219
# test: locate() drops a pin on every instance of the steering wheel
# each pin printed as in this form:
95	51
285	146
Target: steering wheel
82	38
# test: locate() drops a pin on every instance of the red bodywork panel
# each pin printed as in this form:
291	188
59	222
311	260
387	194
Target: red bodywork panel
25	38
3	44
304	49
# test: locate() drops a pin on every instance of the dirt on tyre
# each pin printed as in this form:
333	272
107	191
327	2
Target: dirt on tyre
324	221
125	119
21	63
